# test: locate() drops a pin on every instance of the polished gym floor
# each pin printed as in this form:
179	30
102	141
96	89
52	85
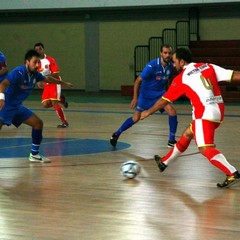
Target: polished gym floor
82	195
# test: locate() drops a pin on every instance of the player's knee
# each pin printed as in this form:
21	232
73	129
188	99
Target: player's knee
38	123
188	133
136	118
47	104
171	110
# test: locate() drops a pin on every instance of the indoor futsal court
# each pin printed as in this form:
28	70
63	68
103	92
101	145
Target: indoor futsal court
82	195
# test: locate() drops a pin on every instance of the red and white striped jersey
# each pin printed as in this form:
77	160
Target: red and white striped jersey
48	65
199	82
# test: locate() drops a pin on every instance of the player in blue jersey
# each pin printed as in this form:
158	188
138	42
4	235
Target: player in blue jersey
149	86
3	66
14	89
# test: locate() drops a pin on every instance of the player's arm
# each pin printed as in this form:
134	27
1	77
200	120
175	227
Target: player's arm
136	87
55	75
50	79
3	85
161	103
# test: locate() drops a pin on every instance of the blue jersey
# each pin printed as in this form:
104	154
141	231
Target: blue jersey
154	79
3	64
21	85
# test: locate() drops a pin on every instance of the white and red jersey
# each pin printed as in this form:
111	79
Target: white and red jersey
199	82
49	66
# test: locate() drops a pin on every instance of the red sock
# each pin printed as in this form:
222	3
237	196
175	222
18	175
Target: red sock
181	145
60	113
217	159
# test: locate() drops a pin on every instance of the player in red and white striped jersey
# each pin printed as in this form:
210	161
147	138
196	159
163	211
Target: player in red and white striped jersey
198	82
51	96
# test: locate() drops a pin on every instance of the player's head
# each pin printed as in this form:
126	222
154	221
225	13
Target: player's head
166	53
39	47
32	60
181	57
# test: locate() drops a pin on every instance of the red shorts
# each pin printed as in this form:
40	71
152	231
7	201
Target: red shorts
204	131
51	92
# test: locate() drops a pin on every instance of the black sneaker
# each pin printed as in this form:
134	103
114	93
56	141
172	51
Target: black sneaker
63	125
114	139
162	166
230	180
171	143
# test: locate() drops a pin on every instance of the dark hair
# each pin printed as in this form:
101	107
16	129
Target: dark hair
184	54
31	53
38	44
165	46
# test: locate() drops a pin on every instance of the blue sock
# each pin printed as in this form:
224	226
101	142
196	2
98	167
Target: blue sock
36	140
127	124
172	120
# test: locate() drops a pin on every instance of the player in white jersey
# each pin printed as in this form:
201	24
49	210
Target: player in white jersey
199	82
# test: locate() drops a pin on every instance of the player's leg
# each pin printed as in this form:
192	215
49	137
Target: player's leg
26	116
58	108
60	113
47	104
173	122
142	105
205	143
129	122
63	101
181	146
51	97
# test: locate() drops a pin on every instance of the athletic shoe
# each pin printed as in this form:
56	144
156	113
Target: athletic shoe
171	143
230	180
38	158
114	139
63	125
162	166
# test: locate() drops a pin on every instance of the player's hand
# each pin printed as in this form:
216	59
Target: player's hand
133	103
2	103
144	114
68	85
40	84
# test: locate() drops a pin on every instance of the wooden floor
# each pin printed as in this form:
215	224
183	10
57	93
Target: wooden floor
83	195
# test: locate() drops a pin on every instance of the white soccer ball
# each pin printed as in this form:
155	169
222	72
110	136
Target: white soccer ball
130	169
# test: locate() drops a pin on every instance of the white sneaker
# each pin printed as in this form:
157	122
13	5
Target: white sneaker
38	158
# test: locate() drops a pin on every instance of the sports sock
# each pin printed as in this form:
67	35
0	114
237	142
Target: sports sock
217	159
36	140
181	146
172	120
59	110
127	124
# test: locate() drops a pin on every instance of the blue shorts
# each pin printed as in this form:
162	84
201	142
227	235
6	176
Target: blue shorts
144	104
14	115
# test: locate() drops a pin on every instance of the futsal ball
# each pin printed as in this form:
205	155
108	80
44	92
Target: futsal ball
130	169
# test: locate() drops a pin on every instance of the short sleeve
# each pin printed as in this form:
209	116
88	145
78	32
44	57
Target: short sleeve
222	74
